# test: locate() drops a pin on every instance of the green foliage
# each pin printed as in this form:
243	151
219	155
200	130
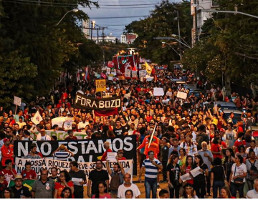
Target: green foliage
229	45
34	51
162	23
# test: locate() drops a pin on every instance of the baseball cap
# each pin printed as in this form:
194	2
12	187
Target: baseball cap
6	140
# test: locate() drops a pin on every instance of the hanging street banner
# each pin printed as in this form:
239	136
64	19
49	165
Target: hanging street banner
101	85
83	101
83	150
87	167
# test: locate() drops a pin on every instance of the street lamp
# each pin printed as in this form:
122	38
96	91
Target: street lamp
73	10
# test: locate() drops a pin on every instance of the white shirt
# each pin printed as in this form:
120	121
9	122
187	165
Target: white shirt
252	194
239	170
255	150
122	189
82	125
46	137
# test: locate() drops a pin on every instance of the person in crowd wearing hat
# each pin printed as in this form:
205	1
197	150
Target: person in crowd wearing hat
43	187
107	147
33	154
28	173
9	171
7	151
19	190
3	182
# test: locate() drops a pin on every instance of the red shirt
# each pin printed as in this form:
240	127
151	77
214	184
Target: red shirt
216	148
8	175
59	187
30	175
239	143
187	170
104	156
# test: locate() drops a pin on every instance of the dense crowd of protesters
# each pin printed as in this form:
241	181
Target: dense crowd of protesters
188	134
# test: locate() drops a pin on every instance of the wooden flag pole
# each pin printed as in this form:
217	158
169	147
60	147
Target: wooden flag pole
152	135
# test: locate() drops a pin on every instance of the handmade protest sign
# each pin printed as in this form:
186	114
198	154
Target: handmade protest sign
181	95
101	85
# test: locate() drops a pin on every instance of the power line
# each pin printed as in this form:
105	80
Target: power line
120	17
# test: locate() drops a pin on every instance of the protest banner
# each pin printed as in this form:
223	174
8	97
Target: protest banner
83	150
101	85
59	121
158	91
48	163
128	72
181	95
83	101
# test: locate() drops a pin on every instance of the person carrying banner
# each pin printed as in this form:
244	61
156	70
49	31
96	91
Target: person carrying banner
78	178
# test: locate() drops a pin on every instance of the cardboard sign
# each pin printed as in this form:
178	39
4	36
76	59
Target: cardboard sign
17	101
101	85
142	73
158	92
181	95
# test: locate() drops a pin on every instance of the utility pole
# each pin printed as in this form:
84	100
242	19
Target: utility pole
97	35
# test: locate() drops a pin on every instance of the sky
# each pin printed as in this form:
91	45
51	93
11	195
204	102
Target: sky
116	14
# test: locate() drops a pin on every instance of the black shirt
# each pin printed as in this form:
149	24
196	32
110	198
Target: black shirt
21	193
174	172
201	177
118	131
218	173
79	174
96	177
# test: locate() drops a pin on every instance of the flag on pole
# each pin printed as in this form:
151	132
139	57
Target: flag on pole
148	68
152	135
87	74
37	118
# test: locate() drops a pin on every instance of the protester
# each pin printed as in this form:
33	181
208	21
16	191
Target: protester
164	194
43	187
7	193
253	194
54	176
19	190
129	194
66	193
79	179
101	194
3	182
252	169
151	166
173	174
188	192
116	175
237	177
63	182
9	171
28	173
225	193
97	175
7	151
128	185
107	148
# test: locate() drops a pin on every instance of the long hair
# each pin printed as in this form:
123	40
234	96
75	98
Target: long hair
200	162
67	176
184	193
186	163
66	188
105	186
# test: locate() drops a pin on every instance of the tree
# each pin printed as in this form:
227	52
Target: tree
162	23
228	47
34	45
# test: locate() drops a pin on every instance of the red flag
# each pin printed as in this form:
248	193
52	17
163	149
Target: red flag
106	112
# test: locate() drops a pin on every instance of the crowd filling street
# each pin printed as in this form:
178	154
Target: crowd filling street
201	146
